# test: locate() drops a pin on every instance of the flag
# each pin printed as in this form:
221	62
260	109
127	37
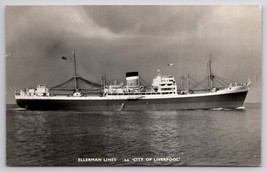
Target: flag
170	64
64	58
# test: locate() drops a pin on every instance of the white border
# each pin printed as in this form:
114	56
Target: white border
3	3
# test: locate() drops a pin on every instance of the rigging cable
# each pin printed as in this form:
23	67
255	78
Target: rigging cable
220	82
62	84
199	83
144	81
61	70
224	79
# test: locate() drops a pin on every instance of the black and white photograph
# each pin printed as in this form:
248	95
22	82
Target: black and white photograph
133	85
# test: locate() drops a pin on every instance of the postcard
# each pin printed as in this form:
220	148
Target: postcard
154	85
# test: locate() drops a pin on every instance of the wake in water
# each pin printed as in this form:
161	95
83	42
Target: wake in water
19	109
227	109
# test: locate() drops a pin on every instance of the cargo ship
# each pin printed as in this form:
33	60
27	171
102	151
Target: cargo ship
163	94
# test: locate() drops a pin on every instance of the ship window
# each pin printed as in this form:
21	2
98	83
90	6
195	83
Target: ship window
169	84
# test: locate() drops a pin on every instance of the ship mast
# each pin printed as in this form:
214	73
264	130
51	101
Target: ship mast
104	83
210	75
75	79
75	72
181	82
188	82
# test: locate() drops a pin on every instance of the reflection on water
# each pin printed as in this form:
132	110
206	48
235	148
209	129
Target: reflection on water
197	138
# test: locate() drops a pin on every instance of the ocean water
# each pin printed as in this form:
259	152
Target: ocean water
152	138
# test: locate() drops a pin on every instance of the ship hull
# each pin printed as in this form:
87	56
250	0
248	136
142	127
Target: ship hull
230	100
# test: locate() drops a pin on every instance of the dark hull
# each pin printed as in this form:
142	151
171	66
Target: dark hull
231	100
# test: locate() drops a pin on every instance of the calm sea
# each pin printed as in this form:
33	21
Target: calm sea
177	138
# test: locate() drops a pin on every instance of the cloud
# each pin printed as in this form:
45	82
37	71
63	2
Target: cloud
58	23
145	20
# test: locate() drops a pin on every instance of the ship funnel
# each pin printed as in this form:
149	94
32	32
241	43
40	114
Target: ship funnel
132	79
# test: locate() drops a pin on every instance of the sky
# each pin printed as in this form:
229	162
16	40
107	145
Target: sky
113	40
